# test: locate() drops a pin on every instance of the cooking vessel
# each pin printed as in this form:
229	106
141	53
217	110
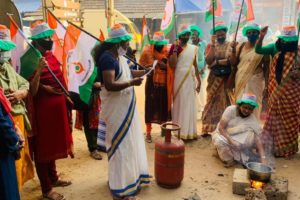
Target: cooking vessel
259	172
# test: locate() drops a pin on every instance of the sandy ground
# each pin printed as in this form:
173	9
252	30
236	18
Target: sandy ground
202	173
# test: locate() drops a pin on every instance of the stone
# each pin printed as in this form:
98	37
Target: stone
255	194
195	196
240	181
277	189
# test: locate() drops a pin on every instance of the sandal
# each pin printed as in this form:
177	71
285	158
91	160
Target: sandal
61	183
148	138
96	155
52	195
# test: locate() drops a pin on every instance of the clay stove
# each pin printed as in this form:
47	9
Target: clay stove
275	189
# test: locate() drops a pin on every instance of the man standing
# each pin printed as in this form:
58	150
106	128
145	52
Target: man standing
183	59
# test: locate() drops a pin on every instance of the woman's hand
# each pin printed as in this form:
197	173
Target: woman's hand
21	137
136	81
16	96
51	90
263	31
198	87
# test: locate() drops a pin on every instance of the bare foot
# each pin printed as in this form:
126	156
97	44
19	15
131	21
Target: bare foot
52	195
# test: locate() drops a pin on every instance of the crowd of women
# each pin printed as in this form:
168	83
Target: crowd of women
227	80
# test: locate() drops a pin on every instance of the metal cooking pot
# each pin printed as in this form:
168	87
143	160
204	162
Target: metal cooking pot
259	172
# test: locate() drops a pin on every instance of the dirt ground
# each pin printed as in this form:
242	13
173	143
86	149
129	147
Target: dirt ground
204	173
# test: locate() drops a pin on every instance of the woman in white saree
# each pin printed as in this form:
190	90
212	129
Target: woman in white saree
183	59
238	133
128	167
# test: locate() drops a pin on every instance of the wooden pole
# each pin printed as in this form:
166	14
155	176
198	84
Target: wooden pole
237	28
213	11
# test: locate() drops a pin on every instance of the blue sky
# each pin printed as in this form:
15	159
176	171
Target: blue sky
28	5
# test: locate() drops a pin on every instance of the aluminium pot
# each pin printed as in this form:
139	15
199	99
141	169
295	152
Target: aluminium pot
259	172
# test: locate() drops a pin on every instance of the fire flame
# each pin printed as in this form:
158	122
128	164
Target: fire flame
257	184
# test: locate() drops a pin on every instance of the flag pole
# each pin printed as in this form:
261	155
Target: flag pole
213	12
238	24
175	16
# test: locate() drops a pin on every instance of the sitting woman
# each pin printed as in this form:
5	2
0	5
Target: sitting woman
237	135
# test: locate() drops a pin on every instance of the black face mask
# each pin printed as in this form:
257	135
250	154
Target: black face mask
45	44
158	48
286	47
184	40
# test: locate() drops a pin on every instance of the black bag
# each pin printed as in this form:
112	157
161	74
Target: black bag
221	70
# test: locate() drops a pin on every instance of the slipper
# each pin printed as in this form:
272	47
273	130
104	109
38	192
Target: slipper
61	183
52	195
96	155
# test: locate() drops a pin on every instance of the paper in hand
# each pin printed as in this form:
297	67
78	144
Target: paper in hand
152	68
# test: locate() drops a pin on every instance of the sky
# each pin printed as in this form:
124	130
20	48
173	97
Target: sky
27	5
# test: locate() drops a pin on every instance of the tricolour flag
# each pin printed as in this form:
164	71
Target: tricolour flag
168	20
217	6
247	14
78	60
58	37
145	34
25	58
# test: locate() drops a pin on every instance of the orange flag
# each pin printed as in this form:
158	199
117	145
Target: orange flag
101	36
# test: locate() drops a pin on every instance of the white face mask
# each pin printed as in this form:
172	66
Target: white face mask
5	56
121	51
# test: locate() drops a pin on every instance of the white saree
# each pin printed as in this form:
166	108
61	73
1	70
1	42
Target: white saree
184	110
242	130
128	167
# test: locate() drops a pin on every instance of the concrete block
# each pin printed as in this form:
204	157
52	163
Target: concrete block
277	189
255	194
240	181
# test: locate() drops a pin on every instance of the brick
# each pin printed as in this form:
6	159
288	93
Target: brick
240	181
277	189
255	194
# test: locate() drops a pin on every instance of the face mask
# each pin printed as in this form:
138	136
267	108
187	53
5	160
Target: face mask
286	47
252	38
184	40
121	51
45	44
221	40
5	56
158	48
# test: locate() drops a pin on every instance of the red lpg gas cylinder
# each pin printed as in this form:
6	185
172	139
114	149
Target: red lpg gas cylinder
169	158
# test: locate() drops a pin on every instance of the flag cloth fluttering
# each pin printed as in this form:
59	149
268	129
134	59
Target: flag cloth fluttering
247	14
25	57
77	59
145	34
217	9
168	20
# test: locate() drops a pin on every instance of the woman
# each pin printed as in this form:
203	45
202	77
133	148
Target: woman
16	89
282	125
238	133
125	145
217	57
156	96
252	68
50	115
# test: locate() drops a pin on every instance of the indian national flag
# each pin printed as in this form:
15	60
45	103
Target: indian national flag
58	37
168	20
145	34
77	59
25	57
247	14
217	6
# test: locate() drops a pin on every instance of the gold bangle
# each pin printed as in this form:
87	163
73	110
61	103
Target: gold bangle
129	84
